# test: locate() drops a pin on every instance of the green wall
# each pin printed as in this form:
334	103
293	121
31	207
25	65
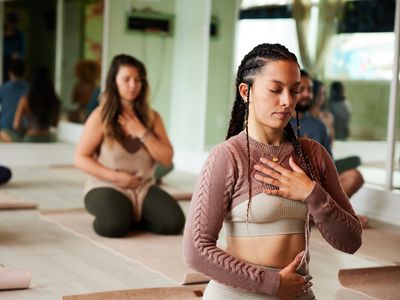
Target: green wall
221	81
153	49
175	66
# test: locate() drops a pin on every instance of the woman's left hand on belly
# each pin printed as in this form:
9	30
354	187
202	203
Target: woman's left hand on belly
293	184
293	285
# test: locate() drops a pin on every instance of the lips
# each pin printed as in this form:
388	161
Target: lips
283	114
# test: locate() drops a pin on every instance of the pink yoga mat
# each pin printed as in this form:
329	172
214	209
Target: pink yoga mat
14	279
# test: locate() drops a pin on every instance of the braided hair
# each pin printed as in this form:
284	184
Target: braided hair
250	66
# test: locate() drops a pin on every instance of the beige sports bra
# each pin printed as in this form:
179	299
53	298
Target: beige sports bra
268	215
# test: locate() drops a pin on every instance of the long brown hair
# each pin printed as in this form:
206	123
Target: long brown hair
112	107
250	66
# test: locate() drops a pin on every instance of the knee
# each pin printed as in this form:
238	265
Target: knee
351	180
5	174
111	227
170	226
358	179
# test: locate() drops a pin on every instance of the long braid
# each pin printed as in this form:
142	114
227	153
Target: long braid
248	152
299	151
297	123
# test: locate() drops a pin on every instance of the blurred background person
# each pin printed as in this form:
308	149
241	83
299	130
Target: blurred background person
88	75
13	43
319	108
350	178
40	108
10	95
340	109
122	141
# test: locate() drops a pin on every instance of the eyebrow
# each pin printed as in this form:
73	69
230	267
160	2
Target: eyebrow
280	82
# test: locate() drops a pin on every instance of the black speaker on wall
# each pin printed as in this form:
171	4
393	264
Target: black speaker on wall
156	23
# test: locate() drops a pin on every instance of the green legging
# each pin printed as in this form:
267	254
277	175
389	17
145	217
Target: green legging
161	213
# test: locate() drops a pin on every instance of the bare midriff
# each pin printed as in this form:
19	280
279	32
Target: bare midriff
274	251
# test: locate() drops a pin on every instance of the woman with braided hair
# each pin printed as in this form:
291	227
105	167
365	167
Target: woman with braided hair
264	185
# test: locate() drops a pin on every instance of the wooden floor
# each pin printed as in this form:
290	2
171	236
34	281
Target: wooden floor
63	263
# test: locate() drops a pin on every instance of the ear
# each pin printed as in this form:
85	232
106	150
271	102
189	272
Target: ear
243	90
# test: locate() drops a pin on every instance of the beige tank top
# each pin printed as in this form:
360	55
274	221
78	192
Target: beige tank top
132	158
268	215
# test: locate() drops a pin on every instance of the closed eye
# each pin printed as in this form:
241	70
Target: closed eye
275	91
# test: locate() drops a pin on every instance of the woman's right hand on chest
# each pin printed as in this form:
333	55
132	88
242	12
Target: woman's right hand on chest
127	181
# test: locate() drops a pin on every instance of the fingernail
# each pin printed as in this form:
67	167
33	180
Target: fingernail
263	159
256	176
257	167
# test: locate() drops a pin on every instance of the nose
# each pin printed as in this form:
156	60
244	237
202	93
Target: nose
286	99
132	83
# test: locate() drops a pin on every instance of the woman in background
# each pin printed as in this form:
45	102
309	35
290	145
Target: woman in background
122	141
340	108
88	75
39	110
319	108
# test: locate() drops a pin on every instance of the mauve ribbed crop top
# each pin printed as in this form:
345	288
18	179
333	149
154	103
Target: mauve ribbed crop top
223	185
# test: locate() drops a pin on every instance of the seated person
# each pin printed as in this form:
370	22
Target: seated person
40	109
319	109
10	94
341	110
88	73
121	142
93	103
350	178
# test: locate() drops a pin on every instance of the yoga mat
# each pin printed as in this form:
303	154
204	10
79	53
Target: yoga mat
14	279
379	283
378	244
161	253
168	293
9	202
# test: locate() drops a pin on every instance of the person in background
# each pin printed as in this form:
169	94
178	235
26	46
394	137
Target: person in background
40	109
88	74
13	43
121	142
93	103
350	178
10	94
264	184
340	109
319	108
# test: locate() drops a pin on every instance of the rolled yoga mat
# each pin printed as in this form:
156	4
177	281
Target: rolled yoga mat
14	279
9	202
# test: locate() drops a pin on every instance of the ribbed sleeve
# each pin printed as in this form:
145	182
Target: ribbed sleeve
208	207
329	205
